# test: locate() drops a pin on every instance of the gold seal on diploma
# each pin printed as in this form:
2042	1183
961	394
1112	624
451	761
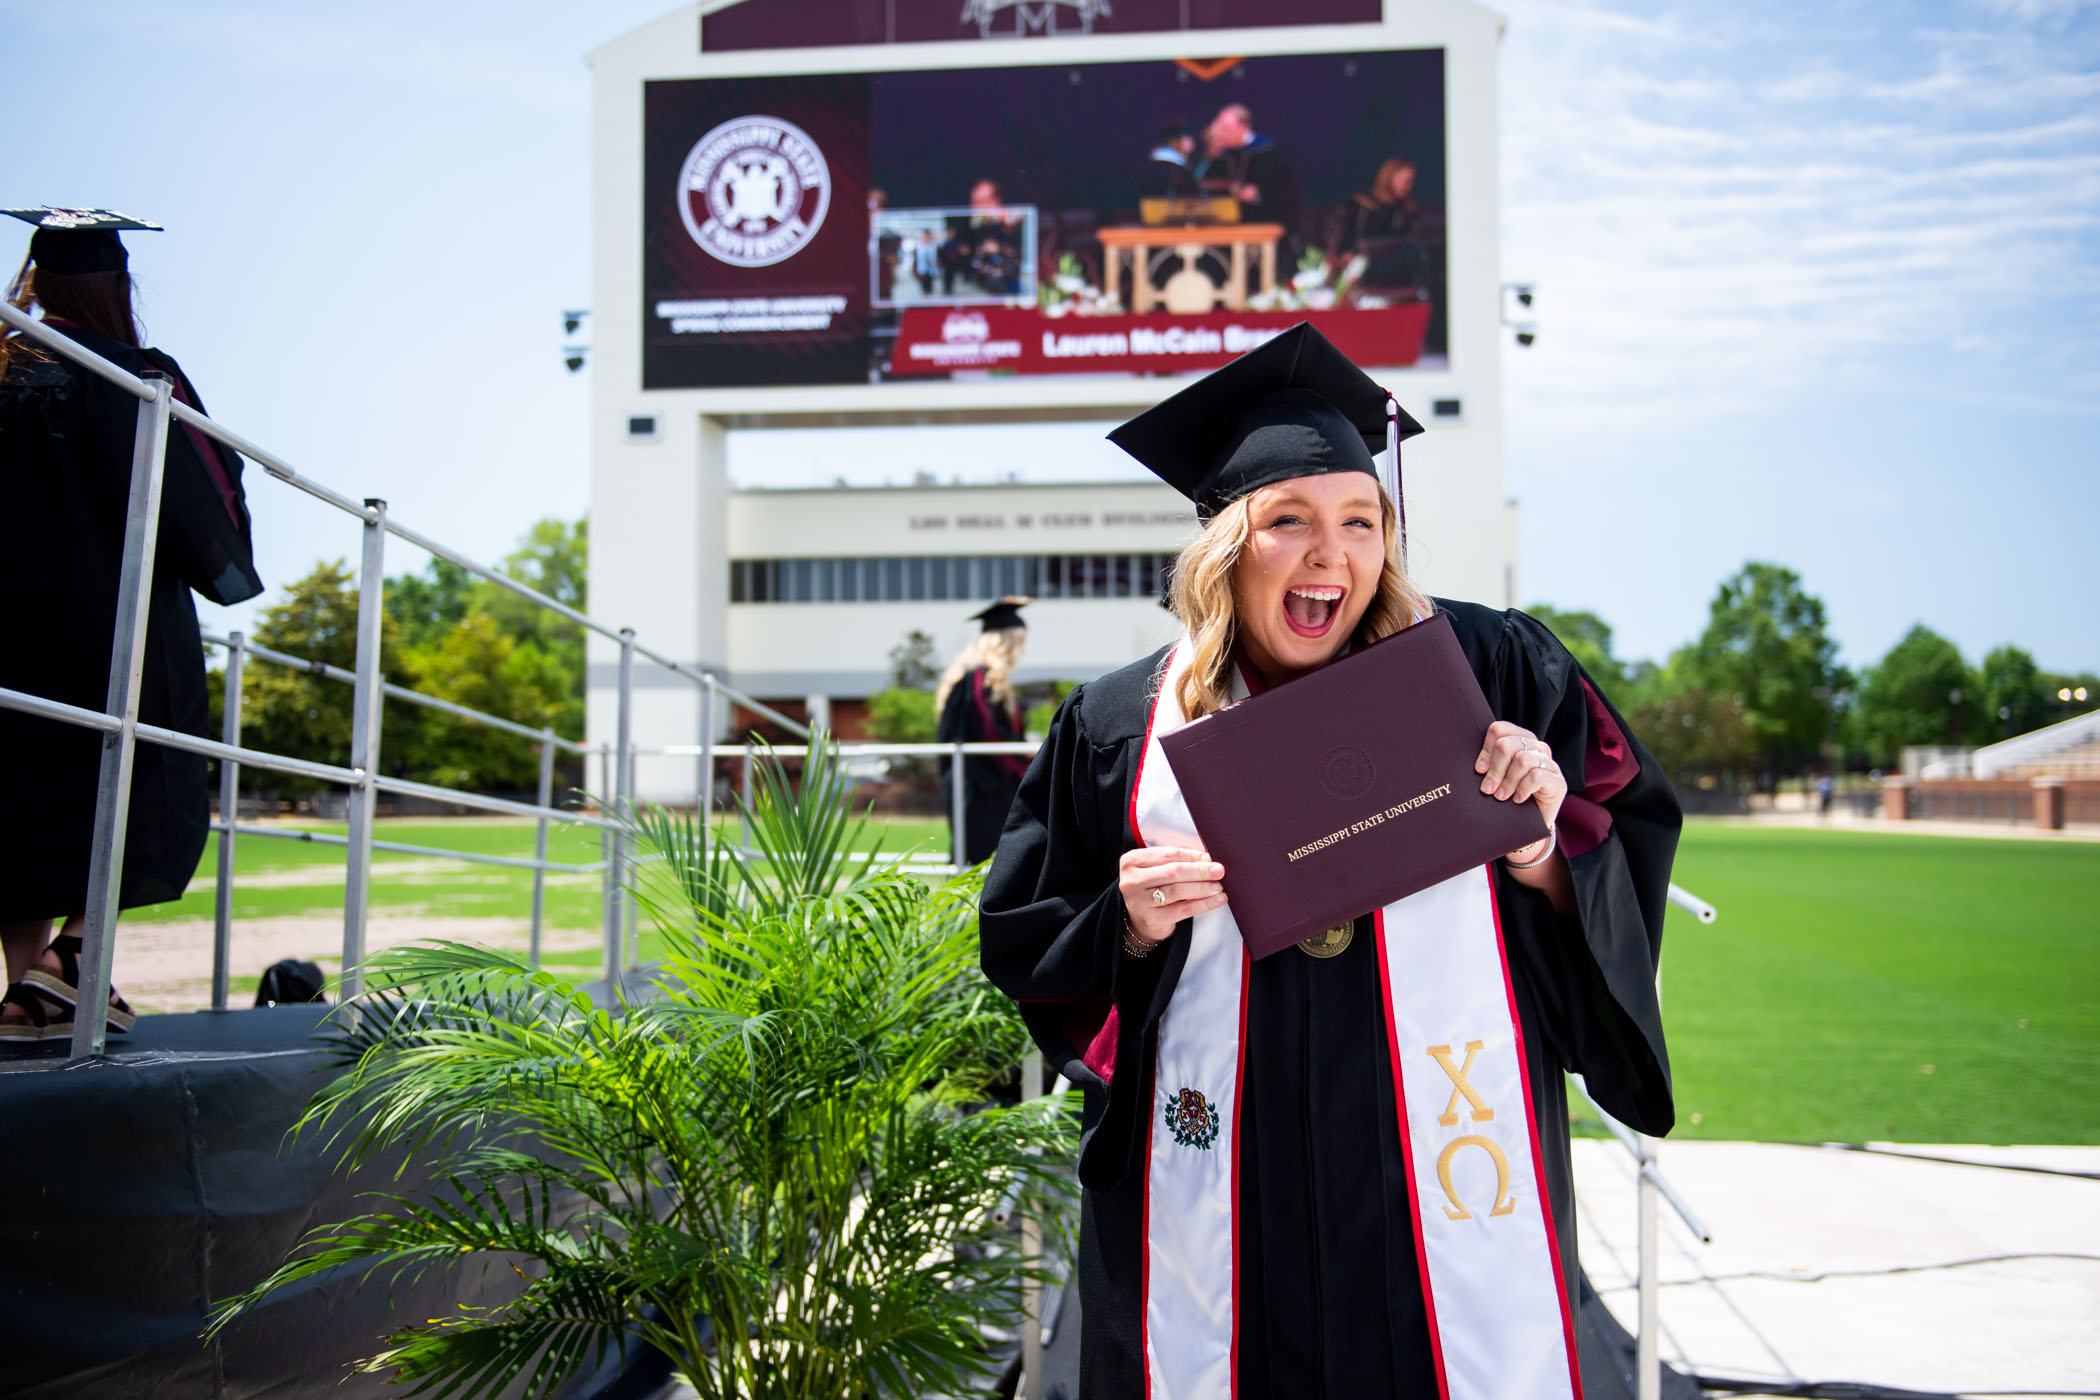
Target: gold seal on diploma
1329	943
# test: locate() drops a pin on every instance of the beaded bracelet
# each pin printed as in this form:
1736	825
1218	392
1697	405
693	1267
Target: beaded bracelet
1133	945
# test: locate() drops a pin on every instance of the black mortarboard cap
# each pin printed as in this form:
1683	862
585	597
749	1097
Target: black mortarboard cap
73	241
1003	614
1294	406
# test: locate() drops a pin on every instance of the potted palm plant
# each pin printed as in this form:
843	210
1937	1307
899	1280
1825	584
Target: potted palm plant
777	1167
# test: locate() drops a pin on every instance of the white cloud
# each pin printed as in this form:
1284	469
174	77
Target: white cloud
1718	210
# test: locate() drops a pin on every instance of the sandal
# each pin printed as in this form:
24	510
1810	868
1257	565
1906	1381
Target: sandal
64	985
44	1021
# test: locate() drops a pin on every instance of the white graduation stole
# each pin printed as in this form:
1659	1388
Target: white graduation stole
1499	1322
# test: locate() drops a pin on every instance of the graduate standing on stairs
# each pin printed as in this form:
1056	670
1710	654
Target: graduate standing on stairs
65	471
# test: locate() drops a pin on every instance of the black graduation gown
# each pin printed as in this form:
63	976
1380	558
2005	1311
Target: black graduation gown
1330	1298
1390	238
1258	163
989	780
65	476
1168	179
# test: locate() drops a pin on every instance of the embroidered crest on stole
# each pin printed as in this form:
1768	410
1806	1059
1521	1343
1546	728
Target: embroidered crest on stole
1193	1119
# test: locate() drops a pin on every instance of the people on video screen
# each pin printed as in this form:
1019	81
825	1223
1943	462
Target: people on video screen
1384	225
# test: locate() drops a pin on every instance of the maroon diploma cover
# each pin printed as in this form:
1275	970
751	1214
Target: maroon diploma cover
1347	789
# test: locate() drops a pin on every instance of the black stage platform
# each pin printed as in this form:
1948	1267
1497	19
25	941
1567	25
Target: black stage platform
138	1189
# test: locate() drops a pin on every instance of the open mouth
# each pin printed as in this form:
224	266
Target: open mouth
1311	609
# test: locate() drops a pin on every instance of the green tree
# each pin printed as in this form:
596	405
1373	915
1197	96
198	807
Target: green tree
1037	720
1693	732
1766	642
551	559
2062	691
427	605
901	716
484	668
2014	697
1588	639
1922	692
914	664
903	713
299	714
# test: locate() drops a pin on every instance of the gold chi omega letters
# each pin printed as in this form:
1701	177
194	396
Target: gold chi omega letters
1505	1203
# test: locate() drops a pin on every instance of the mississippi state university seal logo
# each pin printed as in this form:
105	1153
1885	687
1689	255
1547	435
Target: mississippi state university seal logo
1192	1119
1346	772
754	190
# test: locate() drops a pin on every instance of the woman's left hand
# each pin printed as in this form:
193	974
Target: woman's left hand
1516	766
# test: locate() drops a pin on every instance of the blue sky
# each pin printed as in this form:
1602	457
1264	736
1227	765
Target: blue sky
1819	283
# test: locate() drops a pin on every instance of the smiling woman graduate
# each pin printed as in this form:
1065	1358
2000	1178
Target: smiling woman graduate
1268	1157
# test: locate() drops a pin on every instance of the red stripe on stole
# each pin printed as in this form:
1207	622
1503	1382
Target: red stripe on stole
1538	1161
1151	1088
1145	1244
1407	1148
1239	1095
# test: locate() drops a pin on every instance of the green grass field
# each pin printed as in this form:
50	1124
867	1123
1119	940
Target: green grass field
1861	985
277	878
1857	986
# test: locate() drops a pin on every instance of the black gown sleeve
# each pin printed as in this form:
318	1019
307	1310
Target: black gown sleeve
205	538
1590	978
1051	928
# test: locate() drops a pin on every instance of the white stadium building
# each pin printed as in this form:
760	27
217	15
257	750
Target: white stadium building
717	312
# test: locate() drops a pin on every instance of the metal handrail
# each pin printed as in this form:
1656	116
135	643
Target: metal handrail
1698	908
705	678
398	692
119	724
328	838
174	738
850	748
283	471
1631	1141
1650	1186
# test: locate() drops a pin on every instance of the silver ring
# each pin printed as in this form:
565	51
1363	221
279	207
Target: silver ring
1523	746
1159	896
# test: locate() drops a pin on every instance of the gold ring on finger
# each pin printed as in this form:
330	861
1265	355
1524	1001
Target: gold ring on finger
1159	896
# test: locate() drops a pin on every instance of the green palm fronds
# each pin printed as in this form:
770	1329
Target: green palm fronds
776	1167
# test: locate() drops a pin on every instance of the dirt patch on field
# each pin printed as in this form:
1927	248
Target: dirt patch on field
167	966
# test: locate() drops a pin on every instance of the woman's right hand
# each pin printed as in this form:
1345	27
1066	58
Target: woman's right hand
1187	882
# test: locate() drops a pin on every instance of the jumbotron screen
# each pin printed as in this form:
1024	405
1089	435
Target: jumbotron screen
1143	217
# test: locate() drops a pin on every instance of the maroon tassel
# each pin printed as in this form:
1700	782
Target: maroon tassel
1392	454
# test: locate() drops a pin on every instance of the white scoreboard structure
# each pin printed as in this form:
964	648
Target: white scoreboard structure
888	213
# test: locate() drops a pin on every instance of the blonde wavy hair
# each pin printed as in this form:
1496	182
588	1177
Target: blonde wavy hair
1201	596
996	652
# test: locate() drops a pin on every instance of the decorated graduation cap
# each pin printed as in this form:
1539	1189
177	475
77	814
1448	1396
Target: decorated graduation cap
72	241
1003	614
1294	406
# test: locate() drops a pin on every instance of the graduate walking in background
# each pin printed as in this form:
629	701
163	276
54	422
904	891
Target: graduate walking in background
1342	1170
65	474
977	705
